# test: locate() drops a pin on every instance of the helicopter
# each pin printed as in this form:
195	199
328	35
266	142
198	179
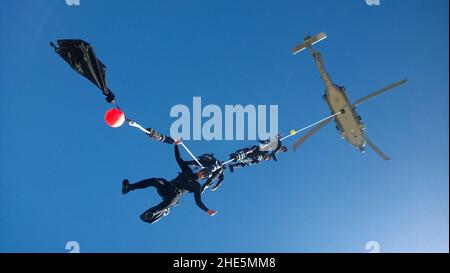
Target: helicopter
348	122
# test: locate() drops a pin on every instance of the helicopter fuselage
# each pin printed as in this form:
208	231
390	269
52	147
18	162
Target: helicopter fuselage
348	123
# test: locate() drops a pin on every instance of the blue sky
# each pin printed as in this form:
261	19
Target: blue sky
61	167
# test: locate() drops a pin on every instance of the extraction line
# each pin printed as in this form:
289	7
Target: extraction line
293	133
227	162
187	150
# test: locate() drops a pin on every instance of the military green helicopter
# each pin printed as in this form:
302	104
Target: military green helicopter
348	121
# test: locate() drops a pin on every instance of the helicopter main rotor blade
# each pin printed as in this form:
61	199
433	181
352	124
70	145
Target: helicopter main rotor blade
377	150
310	133
379	92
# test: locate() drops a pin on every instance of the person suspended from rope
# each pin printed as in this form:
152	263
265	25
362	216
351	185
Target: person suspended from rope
274	146
247	157
215	170
255	154
81	57
171	191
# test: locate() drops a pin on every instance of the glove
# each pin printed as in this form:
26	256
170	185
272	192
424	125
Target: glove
212	212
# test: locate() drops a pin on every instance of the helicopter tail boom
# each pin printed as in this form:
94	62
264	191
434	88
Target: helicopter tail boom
309	41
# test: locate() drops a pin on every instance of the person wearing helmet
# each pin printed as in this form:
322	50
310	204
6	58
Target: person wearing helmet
171	191
255	157
256	154
273	146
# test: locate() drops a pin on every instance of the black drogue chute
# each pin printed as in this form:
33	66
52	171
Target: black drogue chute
81	57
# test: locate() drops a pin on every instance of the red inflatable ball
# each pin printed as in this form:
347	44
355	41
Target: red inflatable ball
114	118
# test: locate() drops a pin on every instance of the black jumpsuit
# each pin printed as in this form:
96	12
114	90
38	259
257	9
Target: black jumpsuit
171	191
252	156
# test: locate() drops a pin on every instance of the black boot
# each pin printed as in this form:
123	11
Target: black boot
125	186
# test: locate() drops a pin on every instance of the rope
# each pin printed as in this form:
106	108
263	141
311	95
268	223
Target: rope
293	133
